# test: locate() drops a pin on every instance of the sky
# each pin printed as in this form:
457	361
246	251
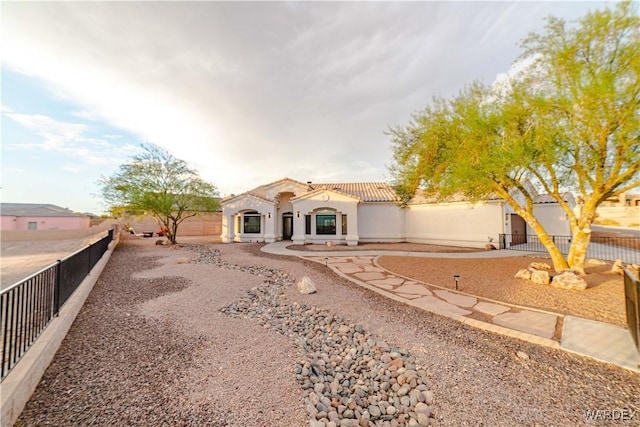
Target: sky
246	92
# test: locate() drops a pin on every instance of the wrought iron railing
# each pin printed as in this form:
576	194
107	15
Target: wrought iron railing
27	307
623	248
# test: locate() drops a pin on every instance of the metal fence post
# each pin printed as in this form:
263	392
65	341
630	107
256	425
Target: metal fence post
56	288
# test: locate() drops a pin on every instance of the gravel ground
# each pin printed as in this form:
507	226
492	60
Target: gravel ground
603	300
152	347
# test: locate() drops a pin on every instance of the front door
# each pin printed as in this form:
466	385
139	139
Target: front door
287	227
518	230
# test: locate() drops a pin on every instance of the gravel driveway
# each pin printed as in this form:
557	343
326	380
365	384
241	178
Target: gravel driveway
155	345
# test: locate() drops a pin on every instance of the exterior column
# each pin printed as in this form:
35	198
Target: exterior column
269	226
237	228
298	228
352	227
228	226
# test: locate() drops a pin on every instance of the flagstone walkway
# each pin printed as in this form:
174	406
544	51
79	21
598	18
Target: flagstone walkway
599	340
532	325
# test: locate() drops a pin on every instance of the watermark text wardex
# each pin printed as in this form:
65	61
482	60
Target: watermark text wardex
624	415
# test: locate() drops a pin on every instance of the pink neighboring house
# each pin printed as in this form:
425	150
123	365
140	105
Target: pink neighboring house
35	216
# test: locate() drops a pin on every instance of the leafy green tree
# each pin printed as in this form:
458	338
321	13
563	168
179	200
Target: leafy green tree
157	183
569	121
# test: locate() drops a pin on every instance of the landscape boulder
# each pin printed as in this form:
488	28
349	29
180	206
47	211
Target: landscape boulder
523	274
539	266
306	286
540	277
569	280
617	267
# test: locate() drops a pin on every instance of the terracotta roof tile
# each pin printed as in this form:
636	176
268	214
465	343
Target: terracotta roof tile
365	191
376	192
422	198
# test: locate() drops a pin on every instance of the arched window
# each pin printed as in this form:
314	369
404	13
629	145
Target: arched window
251	222
326	222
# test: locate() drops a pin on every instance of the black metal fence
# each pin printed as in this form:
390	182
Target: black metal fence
632	300
623	248
27	307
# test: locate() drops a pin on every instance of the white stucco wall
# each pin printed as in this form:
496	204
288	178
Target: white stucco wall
231	211
381	222
319	200
458	224
553	218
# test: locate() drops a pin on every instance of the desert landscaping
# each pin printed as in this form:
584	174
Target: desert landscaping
208	334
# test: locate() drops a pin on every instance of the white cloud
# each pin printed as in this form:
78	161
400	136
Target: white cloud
55	135
109	136
72	168
67	138
253	91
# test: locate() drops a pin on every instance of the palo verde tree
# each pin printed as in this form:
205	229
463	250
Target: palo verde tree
157	183
570	120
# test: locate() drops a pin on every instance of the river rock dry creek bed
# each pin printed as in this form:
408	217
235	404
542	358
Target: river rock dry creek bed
218	335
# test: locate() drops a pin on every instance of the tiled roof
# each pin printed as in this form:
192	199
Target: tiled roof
547	198
421	198
262	190
377	192
246	193
280	181
257	195
34	209
365	191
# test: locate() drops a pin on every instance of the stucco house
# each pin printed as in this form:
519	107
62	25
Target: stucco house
350	213
37	216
